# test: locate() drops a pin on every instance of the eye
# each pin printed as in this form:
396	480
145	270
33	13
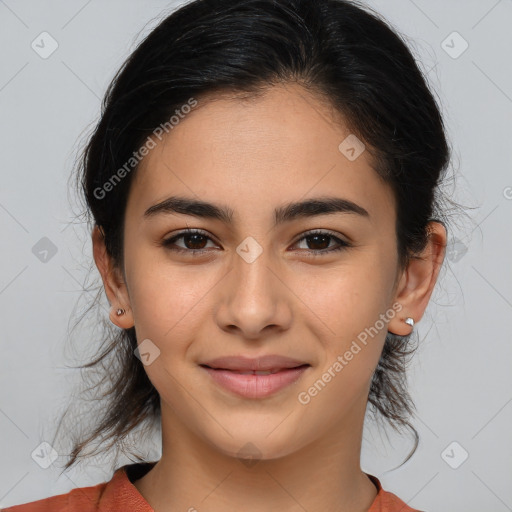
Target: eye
322	239
195	240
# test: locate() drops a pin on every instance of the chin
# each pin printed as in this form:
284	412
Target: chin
256	444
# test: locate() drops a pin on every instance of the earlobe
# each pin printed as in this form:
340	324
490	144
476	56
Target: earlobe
418	280
403	327
121	317
115	289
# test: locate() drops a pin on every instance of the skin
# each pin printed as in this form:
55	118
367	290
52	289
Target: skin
256	155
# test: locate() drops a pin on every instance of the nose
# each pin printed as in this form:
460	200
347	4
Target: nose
255	300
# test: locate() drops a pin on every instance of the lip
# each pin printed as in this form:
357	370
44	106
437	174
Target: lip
255	386
242	363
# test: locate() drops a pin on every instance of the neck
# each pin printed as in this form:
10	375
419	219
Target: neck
322	476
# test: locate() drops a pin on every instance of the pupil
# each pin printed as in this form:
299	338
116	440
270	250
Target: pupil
316	237
194	236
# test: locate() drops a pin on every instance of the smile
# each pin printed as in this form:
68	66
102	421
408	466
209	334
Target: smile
255	383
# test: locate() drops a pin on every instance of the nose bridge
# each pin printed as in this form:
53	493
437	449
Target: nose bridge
254	295
251	270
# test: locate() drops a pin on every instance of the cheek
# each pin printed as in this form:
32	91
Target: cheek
349	354
349	298
168	307
166	300
351	308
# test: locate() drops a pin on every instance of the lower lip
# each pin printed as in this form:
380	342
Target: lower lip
256	386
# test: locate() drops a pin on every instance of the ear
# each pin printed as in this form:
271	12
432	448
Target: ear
418	280
113	282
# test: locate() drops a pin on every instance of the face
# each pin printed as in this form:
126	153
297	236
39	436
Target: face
261	283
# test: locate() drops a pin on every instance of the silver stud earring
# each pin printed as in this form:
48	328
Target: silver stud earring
409	321
120	312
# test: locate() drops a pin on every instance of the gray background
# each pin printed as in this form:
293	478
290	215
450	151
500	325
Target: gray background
461	377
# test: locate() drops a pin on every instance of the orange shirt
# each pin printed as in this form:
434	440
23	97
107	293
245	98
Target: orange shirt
120	495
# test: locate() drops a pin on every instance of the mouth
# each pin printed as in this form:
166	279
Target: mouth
255	372
255	384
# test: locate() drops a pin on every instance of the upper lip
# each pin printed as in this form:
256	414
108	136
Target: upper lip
267	362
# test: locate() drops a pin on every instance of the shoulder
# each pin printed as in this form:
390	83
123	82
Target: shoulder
391	503
386	501
83	499
117	495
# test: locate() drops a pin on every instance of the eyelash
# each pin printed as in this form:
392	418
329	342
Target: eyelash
315	252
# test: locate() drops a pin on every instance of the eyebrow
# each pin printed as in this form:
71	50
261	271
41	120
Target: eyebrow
287	213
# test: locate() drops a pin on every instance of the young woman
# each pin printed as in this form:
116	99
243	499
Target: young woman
264	190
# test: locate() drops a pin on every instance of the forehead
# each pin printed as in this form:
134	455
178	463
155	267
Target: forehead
252	151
